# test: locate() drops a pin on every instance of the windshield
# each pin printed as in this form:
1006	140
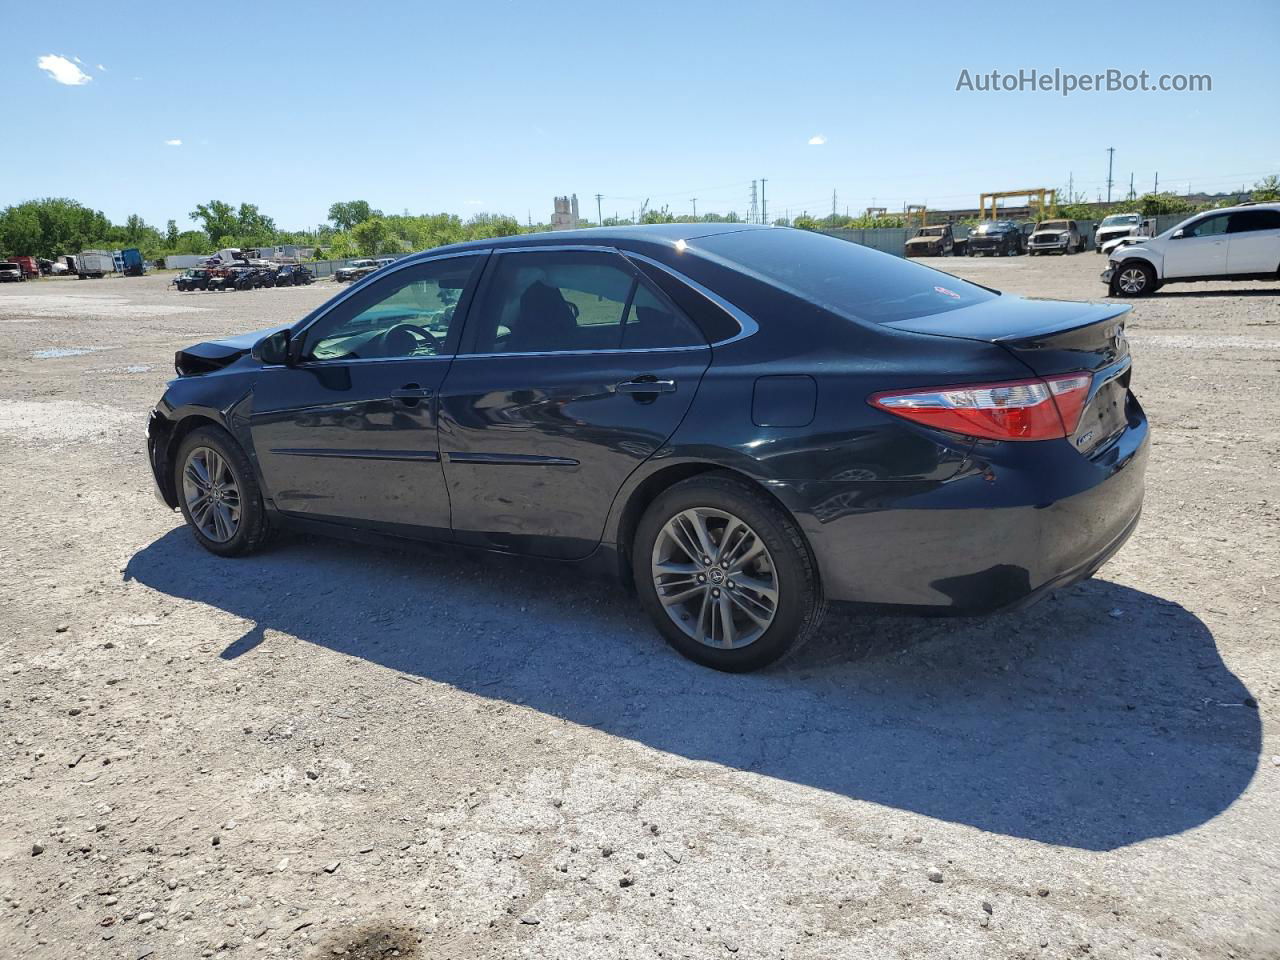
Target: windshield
996	226
931	232
845	278
1121	220
1053	225
8	266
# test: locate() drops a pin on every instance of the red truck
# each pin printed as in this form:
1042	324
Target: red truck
29	266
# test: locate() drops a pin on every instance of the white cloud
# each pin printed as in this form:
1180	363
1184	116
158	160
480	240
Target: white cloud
62	70
173	143
817	140
102	68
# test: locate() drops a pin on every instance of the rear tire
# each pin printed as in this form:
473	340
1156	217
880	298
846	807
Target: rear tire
218	493
772	612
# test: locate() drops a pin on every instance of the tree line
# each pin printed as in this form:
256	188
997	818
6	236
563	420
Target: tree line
52	226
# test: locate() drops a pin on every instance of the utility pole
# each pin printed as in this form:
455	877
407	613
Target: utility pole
764	204
694	201
833	204
1111	155
1156	188
1071	187
753	212
599	215
1131	193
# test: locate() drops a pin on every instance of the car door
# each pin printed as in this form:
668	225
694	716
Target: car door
1253	242
573	371
1201	250
347	431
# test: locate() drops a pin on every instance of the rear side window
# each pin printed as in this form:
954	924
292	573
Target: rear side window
567	301
845	278
1248	220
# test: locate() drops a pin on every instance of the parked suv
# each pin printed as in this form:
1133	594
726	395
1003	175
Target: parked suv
10	271
1056	236
931	242
996	237
292	275
1234	243
1115	226
354	270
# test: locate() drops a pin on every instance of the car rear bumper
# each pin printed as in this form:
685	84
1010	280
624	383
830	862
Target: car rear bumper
1018	521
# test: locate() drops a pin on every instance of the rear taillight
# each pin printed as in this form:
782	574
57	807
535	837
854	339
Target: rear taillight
1045	408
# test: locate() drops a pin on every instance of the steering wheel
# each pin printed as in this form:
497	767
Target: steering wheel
402	340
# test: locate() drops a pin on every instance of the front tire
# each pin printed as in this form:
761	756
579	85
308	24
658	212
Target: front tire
725	574
218	493
1134	279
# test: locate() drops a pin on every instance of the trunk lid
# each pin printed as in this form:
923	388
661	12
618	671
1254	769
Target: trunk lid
1053	337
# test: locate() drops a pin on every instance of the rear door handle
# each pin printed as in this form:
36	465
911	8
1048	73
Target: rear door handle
646	385
411	391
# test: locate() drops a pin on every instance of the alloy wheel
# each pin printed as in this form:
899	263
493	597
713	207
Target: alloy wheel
715	578
212	494
1132	280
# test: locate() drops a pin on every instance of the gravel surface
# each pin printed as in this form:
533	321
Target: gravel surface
328	748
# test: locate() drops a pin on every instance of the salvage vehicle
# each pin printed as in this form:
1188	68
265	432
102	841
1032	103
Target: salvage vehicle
936	241
1114	227
1146	230
741	422
11	272
1231	243
29	266
354	271
292	275
194	279
996	238
93	264
1056	236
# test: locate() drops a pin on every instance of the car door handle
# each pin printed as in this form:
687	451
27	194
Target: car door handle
646	385
411	391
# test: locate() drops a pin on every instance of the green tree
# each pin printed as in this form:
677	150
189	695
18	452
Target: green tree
485	225
51	226
372	236
1267	188
346	214
217	218
171	234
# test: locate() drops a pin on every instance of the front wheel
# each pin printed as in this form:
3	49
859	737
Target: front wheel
725	574
218	493
1133	280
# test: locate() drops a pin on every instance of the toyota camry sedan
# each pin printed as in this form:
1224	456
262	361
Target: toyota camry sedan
741	423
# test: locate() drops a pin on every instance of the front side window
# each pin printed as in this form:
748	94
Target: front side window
570	300
1208	227
409	313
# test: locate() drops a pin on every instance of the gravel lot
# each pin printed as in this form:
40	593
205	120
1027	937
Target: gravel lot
329	748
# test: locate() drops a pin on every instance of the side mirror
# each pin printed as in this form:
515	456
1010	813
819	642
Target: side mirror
1177	235
272	349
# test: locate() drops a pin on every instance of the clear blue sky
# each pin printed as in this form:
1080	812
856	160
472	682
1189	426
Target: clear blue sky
499	106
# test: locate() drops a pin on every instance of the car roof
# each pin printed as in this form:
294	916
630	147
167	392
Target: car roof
651	234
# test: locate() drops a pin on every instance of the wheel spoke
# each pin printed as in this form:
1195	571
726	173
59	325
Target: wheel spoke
762	587
677	569
724	608
754	550
753	609
699	524
668	599
681	532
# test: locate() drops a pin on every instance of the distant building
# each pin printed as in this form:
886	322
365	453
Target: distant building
566	214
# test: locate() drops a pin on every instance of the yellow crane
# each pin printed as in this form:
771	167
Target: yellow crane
874	212
911	208
1036	193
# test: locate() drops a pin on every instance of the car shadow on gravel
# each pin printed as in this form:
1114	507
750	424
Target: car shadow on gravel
1101	717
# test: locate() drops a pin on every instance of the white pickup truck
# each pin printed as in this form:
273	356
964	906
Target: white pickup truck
1114	227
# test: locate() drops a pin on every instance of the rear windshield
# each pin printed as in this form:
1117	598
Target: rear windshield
846	278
